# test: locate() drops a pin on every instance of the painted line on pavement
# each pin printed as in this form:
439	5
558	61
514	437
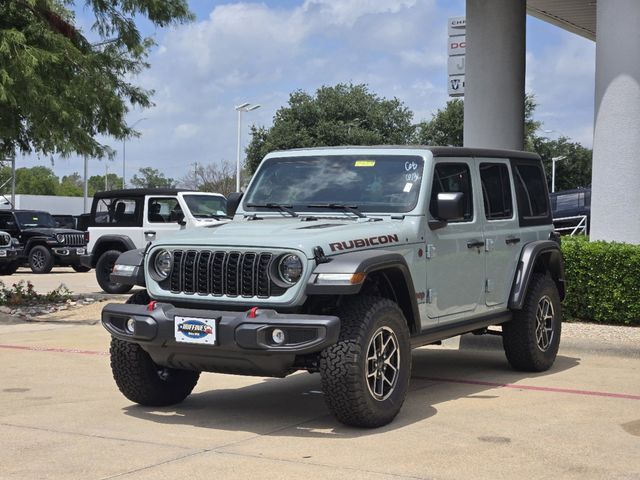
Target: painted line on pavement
53	349
516	386
534	388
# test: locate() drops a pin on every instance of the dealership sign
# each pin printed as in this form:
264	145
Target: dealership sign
457	46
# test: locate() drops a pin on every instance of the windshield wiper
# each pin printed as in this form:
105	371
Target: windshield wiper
210	215
339	206
280	206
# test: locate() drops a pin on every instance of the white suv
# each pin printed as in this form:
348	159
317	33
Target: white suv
123	220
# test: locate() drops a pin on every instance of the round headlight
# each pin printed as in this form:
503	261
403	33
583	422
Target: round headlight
60	238
290	269
162	263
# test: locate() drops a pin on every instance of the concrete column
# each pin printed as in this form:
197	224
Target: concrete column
494	77
615	200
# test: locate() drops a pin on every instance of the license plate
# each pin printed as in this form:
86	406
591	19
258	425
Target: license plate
195	330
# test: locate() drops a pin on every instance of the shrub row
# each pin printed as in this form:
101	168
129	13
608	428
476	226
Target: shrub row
603	281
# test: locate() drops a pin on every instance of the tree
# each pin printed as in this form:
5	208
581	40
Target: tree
574	171
446	125
151	178
57	90
96	183
36	181
345	114
71	185
211	178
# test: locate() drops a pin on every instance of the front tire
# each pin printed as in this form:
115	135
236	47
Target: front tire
40	259
104	267
140	379
532	338
365	375
9	268
80	268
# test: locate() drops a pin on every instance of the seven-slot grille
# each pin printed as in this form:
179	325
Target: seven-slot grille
73	238
208	272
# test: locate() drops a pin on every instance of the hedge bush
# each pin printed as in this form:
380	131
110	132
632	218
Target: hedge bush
603	281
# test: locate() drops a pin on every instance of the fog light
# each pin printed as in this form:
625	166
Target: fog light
278	336
131	325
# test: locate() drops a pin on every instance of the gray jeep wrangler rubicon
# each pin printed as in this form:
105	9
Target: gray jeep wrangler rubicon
340	261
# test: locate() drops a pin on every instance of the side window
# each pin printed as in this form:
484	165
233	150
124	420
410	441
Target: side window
531	193
451	178
159	210
496	191
118	211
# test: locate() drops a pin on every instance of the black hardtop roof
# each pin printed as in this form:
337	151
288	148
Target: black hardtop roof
140	192
436	151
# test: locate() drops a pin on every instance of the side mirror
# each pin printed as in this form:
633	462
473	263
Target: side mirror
233	201
450	206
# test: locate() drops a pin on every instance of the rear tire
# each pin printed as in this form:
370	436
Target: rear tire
80	268
532	338
140	379
104	267
365	375
40	259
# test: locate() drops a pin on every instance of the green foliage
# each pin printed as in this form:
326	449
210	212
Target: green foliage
57	90
572	172
71	185
97	183
148	177
23	293
603	281
345	114
36	181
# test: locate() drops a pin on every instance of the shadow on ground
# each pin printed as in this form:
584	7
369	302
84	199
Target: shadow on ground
297	401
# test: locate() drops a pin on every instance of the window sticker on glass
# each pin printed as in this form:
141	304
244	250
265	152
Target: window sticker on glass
365	163
408	187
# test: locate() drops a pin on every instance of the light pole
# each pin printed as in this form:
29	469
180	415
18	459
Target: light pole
553	171
244	107
124	152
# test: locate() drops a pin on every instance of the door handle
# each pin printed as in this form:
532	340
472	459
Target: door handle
475	244
149	236
512	240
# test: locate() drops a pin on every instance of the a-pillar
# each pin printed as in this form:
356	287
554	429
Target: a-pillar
615	200
495	72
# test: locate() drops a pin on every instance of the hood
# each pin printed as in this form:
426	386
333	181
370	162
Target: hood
333	235
49	231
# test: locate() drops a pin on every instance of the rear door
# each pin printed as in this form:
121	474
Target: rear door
502	240
455	267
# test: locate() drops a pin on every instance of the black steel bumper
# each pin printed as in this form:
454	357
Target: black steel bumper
85	260
9	253
243	345
69	255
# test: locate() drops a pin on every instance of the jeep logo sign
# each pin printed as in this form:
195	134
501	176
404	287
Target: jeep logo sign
364	242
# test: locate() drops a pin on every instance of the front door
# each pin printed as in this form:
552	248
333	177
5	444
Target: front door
455	264
160	217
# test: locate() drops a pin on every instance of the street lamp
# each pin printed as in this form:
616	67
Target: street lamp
124	152
244	107
553	171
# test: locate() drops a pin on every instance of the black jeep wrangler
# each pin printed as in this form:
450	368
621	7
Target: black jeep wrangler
43	244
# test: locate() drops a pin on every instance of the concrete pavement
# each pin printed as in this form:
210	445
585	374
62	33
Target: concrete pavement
467	416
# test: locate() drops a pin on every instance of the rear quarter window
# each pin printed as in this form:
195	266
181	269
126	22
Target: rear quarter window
531	193
117	212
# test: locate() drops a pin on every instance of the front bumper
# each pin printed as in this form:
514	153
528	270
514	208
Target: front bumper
86	260
9	253
69	252
243	343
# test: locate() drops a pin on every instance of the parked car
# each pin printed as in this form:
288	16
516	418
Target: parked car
43	244
571	203
65	221
340	261
9	254
123	220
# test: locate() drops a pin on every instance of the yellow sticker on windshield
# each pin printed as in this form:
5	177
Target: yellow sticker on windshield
365	163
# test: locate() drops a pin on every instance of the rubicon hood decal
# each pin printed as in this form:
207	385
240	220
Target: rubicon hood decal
363	242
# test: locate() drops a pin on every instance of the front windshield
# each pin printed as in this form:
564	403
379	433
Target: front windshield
35	219
204	206
371	183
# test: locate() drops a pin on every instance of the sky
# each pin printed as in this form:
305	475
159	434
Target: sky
260	52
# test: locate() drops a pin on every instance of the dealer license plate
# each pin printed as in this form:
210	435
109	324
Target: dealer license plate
195	330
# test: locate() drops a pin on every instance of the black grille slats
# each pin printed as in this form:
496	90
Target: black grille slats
73	239
219	273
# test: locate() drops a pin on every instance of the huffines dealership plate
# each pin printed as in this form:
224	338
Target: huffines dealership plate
195	330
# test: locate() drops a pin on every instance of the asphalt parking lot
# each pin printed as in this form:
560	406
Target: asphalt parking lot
467	416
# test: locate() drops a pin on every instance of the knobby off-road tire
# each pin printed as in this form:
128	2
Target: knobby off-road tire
532	338
104	267
352	394
140	379
41	259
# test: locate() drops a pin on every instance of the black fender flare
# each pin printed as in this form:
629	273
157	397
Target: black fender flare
367	262
546	251
123	240
135	259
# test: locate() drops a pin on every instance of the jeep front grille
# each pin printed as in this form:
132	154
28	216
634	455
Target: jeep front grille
207	272
73	239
